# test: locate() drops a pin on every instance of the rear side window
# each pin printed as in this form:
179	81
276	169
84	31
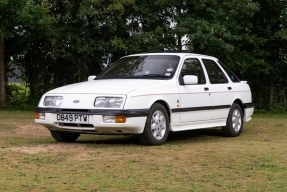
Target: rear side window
230	74
215	74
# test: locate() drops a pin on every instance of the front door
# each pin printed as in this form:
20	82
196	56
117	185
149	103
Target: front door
195	100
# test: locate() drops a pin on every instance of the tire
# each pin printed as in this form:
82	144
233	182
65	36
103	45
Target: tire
234	123
156	127
62	136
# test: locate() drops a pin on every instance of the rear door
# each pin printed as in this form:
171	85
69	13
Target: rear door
221	89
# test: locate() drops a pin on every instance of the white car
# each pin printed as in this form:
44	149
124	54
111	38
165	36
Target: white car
149	95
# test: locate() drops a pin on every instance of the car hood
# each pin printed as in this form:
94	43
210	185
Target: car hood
105	86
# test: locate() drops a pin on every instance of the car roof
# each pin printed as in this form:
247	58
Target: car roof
181	54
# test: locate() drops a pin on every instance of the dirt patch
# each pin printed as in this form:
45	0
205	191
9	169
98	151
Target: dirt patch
76	151
31	150
59	147
26	130
32	130
35	130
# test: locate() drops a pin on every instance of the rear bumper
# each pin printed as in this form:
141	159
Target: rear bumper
248	111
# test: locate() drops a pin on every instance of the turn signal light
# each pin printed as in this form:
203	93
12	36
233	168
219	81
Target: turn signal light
120	119
37	115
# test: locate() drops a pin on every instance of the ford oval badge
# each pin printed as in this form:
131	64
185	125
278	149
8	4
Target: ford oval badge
76	101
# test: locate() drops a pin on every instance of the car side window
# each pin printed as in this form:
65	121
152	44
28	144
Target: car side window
230	74
215	74
192	66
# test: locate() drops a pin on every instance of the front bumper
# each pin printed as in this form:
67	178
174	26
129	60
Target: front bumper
135	121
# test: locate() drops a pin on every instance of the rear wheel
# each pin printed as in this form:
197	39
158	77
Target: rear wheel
156	127
62	136
234	123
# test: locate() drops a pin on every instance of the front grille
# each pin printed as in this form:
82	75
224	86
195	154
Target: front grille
76	125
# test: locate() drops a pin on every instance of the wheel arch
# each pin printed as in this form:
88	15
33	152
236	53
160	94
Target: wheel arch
166	106
239	102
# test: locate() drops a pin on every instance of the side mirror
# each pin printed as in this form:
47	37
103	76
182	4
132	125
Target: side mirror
91	78
190	80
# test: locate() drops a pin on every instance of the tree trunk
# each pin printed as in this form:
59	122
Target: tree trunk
271	94
178	35
2	74
179	43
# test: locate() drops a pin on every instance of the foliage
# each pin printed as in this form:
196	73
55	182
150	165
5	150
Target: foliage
19	97
269	78
7	9
58	42
10	13
277	108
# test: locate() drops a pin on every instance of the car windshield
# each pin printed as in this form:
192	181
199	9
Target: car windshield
145	66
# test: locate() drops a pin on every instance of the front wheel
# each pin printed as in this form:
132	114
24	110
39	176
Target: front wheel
157	126
234	123
62	136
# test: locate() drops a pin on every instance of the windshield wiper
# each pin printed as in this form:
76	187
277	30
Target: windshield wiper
152	76
146	76
115	77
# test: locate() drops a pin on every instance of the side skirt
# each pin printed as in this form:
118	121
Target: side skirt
198	125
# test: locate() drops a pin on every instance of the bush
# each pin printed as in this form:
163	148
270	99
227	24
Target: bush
18	97
276	109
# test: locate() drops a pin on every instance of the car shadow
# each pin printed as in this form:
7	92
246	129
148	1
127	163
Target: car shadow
174	137
111	139
194	135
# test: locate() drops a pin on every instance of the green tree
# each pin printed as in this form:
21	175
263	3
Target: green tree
10	12
58	42
31	45
269	24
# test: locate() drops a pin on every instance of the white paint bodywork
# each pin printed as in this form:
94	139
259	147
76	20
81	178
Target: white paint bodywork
143	93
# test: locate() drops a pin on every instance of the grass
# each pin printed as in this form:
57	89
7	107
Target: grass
199	160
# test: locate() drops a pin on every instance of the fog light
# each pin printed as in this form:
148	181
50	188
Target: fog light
109	119
40	116
120	119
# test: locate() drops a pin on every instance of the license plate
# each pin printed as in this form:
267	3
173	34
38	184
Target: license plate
73	118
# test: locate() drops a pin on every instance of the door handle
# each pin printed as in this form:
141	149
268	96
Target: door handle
206	88
229	88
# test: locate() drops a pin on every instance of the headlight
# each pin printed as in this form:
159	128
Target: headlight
55	101
109	102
